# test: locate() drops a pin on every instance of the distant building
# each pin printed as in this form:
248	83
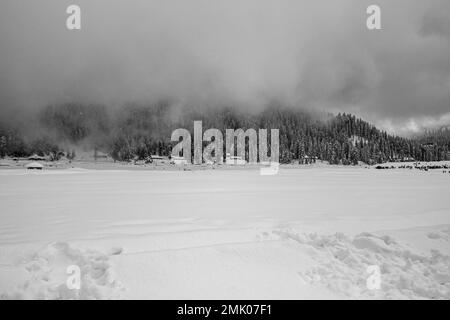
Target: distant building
307	160
98	155
34	166
156	157
178	161
234	160
408	159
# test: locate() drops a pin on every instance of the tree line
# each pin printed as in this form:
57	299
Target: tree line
137	131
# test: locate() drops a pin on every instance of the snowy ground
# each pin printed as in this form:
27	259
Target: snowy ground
302	234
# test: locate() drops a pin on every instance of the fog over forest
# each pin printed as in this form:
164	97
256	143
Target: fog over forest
246	54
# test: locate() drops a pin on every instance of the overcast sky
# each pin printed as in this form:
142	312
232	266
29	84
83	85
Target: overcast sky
315	54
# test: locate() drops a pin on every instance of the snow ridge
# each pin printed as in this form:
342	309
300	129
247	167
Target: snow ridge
46	275
342	262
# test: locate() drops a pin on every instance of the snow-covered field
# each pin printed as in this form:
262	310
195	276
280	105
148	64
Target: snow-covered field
302	234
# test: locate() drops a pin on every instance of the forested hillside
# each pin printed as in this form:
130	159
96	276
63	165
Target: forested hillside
137	131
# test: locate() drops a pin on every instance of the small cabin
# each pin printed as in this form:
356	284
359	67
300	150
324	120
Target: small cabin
157	159
307	160
98	155
34	166
234	160
178	160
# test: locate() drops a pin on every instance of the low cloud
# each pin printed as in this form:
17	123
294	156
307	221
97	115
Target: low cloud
308	54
